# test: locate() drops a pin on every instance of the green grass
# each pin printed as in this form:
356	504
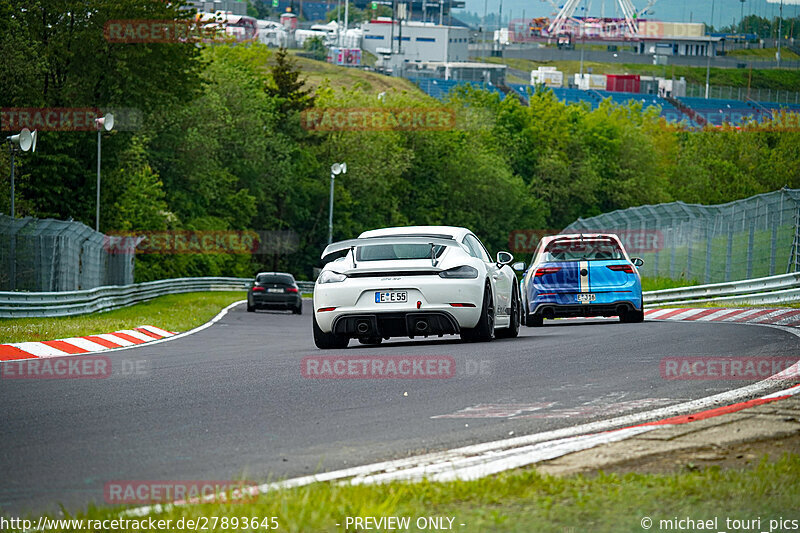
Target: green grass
317	72
174	312
525	501
659	283
764	53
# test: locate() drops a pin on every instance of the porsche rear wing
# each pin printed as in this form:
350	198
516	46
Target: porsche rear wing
351	244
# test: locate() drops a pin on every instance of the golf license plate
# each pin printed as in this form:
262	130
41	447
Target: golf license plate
386	297
586	297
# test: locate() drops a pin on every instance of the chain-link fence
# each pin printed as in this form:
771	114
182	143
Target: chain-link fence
54	255
745	239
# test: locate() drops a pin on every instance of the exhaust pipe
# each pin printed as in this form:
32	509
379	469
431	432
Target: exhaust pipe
421	326
548	313
362	327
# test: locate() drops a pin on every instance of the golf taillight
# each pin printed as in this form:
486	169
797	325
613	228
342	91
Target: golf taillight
291	289
259	289
546	270
628	269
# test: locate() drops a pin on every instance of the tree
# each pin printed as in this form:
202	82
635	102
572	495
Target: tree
287	86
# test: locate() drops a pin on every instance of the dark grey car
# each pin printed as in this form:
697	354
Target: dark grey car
275	290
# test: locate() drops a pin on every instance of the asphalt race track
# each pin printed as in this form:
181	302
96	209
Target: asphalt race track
230	402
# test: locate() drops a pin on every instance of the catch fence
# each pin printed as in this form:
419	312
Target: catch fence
750	238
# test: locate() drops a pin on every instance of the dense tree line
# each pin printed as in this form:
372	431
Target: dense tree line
223	147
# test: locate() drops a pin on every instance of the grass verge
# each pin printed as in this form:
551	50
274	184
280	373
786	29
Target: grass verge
174	312
659	283
525	501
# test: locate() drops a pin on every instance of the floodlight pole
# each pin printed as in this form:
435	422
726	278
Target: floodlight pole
11	147
97	211
336	168
780	31
330	211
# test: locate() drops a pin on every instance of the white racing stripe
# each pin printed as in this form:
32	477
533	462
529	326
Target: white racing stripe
584	265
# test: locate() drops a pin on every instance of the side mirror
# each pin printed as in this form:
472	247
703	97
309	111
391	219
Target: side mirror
519	266
638	261
504	258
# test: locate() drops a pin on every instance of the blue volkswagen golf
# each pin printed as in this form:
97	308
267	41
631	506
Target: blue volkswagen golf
582	275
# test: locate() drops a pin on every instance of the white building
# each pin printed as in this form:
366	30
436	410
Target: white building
417	41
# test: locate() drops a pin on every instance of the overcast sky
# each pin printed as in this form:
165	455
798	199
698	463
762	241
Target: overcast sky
725	11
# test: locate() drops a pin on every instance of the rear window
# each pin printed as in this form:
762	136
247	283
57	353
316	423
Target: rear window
393	252
583	250
284	279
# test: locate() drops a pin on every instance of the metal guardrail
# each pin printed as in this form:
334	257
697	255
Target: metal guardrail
69	303
306	286
781	289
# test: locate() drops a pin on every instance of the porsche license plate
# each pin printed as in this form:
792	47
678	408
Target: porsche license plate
586	297
386	297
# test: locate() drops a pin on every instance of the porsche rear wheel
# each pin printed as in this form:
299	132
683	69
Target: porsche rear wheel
484	330
513	329
328	341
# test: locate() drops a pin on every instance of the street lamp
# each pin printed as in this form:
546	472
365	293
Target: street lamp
708	53
780	31
336	169
22	141
103	123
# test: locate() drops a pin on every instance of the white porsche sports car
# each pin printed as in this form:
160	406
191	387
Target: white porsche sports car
415	281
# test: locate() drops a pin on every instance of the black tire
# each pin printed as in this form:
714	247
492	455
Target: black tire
250	308
534	321
328	341
516	310
298	310
370	341
484	330
632	317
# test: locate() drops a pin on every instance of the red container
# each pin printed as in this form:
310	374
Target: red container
624	83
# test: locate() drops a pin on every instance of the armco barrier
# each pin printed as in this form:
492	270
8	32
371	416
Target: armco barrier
781	289
51	304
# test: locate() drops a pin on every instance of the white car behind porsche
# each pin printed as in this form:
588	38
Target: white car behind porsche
415	281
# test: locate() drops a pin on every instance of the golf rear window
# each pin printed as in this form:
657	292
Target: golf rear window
583	250
395	252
